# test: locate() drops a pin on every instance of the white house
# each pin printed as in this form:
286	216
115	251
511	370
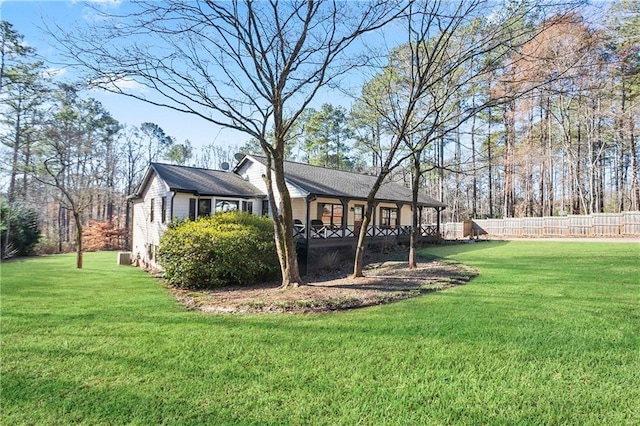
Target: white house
328	205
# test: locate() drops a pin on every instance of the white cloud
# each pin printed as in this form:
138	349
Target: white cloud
54	72
110	3
118	84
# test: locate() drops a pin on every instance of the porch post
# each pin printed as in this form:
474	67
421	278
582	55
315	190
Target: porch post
399	215
345	212
438	210
307	225
374	218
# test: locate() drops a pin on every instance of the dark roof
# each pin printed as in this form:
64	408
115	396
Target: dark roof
321	181
203	181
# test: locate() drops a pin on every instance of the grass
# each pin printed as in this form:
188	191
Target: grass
548	333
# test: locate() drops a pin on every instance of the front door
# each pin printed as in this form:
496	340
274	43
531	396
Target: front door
358	214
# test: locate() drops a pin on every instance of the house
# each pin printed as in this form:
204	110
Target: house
328	205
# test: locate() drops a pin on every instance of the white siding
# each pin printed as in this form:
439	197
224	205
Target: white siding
146	234
181	205
299	207
253	171
405	215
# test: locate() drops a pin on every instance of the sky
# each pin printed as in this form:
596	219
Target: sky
28	18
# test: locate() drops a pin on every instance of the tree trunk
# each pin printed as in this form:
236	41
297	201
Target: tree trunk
635	169
127	224
490	168
79	249
358	264
509	168
548	160
16	151
474	171
283	221
415	183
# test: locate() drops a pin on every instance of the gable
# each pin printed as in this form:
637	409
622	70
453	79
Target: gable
199	181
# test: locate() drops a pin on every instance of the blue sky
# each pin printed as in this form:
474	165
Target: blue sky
28	18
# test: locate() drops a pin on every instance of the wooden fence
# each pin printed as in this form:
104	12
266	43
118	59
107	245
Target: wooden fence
625	224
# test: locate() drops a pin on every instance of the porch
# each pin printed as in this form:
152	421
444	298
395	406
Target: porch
319	231
327	246
327	228
329	218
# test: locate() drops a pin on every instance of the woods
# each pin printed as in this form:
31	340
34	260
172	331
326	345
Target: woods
523	111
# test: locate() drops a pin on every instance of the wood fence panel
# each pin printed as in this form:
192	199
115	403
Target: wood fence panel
490	226
533	226
607	225
512	227
580	226
555	226
597	225
452	230
631	223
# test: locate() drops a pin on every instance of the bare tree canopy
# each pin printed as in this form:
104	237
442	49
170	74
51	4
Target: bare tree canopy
231	63
449	48
249	66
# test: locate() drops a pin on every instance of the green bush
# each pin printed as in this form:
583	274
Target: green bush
232	248
19	231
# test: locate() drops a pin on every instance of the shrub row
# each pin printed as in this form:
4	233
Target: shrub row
232	248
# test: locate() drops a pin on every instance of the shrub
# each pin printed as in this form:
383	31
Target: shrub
19	231
232	248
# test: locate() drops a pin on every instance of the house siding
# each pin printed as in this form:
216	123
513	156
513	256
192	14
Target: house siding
405	215
181	205
253	172
299	208
146	234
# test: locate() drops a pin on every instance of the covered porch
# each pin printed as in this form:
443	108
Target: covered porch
330	218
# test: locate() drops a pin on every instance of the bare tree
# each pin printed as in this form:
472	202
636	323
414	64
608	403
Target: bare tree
75	132
418	98
249	66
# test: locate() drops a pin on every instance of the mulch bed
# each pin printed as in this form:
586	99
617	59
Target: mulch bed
386	280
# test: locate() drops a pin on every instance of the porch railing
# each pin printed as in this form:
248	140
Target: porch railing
372	231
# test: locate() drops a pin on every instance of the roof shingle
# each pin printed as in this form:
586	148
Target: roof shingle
205	182
321	181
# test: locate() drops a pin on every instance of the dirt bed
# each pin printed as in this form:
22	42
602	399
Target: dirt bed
386	280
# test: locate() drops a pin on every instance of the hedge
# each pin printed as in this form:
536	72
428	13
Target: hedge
233	248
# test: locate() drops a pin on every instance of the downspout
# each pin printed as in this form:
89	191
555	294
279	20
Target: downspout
173	195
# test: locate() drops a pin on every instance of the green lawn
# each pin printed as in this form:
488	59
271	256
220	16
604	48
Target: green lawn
548	333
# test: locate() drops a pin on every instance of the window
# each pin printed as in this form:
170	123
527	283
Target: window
388	217
265	207
247	206
192	208
204	207
163	210
151	212
223	206
331	214
358	213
